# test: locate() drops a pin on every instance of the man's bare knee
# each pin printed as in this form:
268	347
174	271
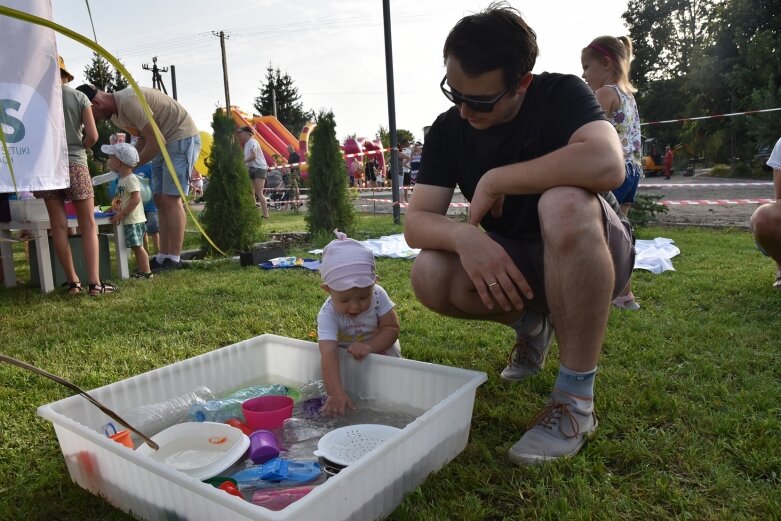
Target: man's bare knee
568	215
429	279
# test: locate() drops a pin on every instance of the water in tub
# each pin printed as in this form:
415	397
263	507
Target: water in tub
191	458
298	436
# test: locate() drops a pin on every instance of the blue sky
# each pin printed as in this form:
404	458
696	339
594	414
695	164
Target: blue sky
334	51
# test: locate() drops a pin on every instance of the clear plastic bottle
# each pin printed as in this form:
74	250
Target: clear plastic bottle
223	409
313	396
156	417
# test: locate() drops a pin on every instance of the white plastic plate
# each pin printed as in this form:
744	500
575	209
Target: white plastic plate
346	445
199	449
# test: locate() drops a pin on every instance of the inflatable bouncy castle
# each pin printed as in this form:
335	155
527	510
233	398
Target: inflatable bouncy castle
274	138
364	147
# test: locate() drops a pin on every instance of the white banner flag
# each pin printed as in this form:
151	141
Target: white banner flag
31	102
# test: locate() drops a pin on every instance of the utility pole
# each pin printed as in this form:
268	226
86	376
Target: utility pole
173	82
394	152
221	34
157	80
274	100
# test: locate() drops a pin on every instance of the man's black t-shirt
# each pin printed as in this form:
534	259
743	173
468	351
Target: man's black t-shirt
455	153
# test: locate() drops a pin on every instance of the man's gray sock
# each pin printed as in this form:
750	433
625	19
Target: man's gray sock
530	324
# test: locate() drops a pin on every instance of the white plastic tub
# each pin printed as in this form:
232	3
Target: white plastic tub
369	489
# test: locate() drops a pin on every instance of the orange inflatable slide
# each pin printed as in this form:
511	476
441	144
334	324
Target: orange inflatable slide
274	138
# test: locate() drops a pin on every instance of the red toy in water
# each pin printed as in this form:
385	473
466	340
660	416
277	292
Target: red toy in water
230	488
235	422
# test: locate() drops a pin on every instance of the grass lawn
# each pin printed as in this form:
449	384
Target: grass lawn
688	391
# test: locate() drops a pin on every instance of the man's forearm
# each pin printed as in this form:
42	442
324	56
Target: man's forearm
432	231
148	152
594	169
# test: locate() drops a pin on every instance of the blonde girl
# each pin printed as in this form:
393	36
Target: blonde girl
606	62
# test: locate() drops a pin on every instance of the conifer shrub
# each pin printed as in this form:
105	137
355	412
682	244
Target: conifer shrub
330	206
646	209
230	217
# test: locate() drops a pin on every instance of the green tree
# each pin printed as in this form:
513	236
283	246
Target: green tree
329	204
383	134
99	73
745	62
119	82
401	135
230	217
290	110
667	35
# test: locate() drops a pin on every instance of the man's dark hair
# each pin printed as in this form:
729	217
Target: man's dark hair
88	89
247	129
497	38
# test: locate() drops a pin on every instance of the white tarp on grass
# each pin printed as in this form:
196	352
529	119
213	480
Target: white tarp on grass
393	246
652	255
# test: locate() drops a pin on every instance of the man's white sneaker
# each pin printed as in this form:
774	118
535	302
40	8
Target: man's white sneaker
559	430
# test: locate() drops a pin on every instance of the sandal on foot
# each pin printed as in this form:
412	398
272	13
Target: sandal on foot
74	288
101	287
626	302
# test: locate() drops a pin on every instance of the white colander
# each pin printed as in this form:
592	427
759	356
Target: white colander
346	445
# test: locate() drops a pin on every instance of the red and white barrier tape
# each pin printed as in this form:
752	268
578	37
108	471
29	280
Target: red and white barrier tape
404	205
685	202
713	116
715	202
642	185
666	202
701	185
375	189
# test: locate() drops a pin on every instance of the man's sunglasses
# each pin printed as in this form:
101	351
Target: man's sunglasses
476	104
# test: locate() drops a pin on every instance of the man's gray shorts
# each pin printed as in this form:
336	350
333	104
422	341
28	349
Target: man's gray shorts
527	252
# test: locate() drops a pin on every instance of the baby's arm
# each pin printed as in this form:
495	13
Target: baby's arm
337	402
387	333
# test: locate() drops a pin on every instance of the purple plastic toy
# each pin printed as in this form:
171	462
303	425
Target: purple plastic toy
263	446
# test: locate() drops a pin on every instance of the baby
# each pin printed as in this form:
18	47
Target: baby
127	203
357	316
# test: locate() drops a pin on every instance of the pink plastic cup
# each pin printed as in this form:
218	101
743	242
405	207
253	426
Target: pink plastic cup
267	412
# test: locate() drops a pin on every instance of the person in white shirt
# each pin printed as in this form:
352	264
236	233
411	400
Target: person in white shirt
256	165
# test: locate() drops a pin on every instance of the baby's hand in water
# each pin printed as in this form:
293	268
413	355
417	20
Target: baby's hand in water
337	405
359	350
